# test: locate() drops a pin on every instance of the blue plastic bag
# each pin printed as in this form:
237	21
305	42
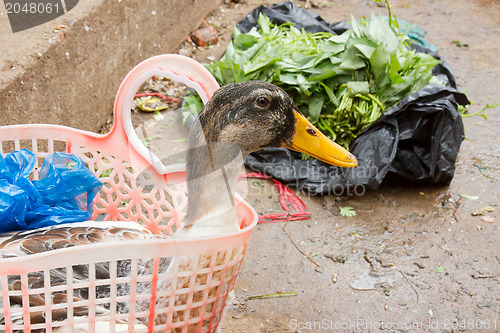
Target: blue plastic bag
63	194
13	207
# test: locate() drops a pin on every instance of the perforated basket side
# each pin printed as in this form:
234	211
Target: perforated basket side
153	285
130	193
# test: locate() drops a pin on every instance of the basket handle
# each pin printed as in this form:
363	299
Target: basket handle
173	66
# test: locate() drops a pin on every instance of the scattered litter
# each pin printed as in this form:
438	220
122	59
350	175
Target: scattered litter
483	211
147	141
151	105
158	116
293	293
441	269
338	258
157	95
419	265
460	44
58	27
485	171
412	285
287	196
347	211
469	197
205	36
179	140
86	27
284	217
370	282
464	111
482	276
298	248
257	183
488	219
485	305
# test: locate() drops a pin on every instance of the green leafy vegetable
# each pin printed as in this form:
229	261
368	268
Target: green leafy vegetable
342	83
192	105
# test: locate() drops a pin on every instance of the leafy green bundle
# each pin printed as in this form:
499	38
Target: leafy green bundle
342	83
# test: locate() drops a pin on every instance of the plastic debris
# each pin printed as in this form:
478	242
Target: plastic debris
64	193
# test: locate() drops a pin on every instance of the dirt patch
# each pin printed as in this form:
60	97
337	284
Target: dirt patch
414	258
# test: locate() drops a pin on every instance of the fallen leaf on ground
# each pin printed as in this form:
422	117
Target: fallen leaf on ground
440	269
347	211
470	197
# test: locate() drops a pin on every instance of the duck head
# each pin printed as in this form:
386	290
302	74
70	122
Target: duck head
255	115
239	119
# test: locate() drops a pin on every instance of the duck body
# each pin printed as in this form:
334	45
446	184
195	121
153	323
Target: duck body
239	119
63	236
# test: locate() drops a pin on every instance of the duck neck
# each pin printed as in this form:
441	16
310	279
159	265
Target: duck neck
212	173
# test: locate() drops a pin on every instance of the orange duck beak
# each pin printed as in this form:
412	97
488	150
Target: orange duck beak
309	140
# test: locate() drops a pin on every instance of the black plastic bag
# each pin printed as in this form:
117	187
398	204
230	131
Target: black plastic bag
418	139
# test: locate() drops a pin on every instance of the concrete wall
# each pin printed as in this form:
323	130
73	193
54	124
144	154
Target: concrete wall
71	78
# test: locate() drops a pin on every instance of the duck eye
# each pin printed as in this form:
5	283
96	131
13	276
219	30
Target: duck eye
262	101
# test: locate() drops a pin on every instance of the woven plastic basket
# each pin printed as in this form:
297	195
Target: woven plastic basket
189	296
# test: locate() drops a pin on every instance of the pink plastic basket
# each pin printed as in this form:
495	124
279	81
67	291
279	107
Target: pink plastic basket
191	294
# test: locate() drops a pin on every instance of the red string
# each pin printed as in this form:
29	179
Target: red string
284	217
157	95
287	197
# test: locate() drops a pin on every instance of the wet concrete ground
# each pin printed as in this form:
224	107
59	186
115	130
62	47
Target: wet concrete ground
414	258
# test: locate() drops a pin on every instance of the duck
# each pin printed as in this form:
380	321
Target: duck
242	118
239	119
